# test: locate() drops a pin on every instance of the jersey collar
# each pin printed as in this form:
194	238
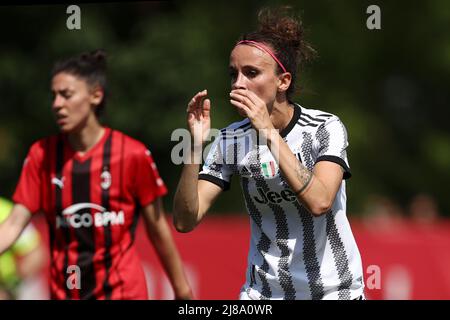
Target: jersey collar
291	124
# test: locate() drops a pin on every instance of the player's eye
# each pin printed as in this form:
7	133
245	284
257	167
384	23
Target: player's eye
233	74
66	94
251	73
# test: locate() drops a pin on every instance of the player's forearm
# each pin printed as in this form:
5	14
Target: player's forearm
8	235
168	254
173	265
13	226
186	203
308	188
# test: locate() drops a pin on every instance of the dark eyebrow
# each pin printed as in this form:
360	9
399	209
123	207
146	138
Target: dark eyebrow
246	67
250	66
63	91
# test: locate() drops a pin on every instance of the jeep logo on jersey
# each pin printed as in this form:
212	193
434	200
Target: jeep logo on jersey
275	197
106	179
79	215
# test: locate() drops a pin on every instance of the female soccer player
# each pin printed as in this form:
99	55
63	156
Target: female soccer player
292	165
91	182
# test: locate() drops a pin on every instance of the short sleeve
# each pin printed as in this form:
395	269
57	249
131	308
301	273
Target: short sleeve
148	183
29	188
332	143
215	169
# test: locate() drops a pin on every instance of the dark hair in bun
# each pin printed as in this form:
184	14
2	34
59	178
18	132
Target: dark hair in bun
89	66
284	33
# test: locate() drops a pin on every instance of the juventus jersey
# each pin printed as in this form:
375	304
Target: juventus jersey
91	203
293	255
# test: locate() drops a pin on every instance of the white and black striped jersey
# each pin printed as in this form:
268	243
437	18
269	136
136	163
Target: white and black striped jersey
293	255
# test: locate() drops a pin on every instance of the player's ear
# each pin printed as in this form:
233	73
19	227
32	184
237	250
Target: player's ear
97	95
284	81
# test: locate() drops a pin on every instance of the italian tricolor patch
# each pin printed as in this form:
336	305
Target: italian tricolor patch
268	169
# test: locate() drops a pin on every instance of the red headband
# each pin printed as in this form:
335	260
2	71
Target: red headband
263	48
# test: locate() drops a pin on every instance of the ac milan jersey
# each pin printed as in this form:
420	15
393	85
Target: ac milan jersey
91	203
293	254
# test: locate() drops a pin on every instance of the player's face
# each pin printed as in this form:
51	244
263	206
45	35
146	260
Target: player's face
74	102
254	70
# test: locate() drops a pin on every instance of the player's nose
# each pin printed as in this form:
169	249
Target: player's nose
239	83
58	102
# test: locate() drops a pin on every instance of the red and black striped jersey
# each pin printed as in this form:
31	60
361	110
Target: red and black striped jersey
91	203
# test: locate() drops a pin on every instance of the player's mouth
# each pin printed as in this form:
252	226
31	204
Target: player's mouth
61	119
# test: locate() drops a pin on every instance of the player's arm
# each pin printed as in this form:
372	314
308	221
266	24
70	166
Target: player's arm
29	252
160	235
317	189
12	227
193	198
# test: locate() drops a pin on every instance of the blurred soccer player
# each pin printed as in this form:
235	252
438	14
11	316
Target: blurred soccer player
91	182
25	258
292	172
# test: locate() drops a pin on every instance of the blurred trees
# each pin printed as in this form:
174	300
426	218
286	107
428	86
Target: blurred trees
389	86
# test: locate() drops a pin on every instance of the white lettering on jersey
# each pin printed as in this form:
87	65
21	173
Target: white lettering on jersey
79	215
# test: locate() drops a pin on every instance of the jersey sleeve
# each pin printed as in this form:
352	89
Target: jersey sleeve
29	188
148	183
331	140
215	168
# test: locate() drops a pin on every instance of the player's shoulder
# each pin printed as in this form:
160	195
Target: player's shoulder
317	114
41	146
128	141
315	119
131	146
237	128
